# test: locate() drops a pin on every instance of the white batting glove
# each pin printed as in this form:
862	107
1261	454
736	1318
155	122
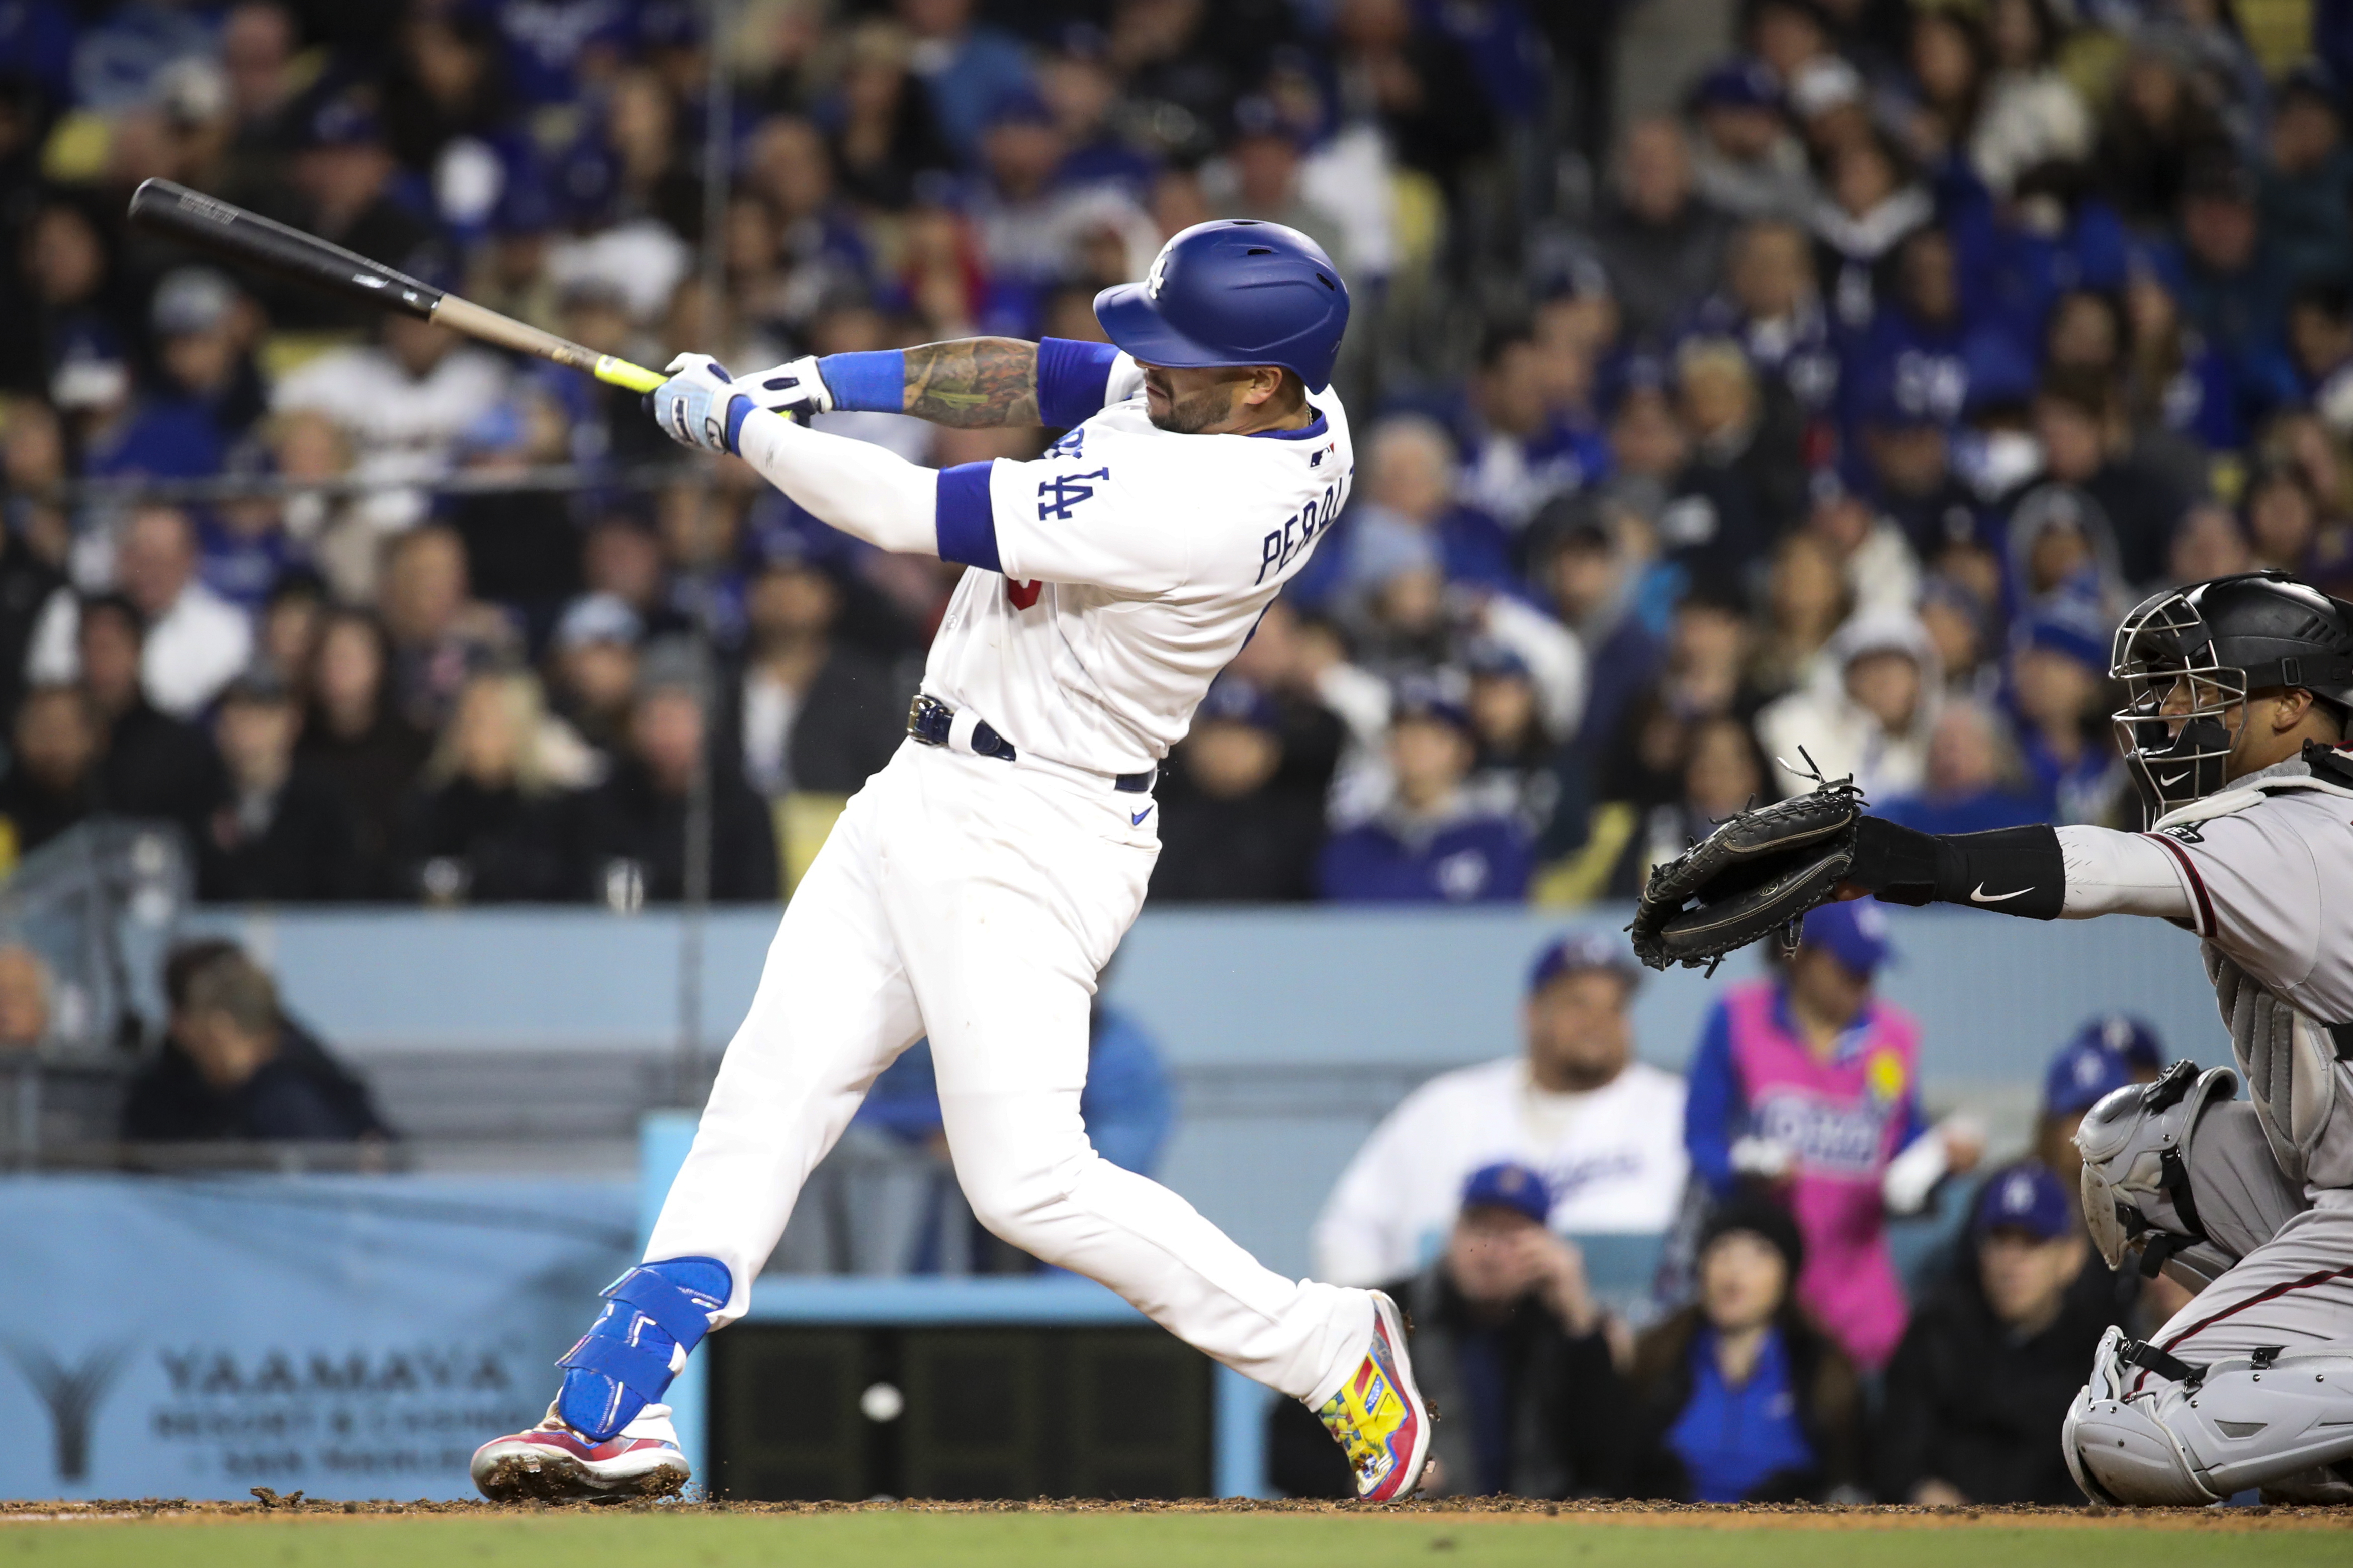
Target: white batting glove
795	389
692	405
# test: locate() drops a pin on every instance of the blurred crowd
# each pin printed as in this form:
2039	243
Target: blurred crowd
1839	411
1781	1352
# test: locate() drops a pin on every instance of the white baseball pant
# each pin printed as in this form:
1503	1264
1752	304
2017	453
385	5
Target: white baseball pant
976	901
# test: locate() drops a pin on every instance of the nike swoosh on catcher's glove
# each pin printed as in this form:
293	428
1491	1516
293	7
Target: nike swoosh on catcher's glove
1757	872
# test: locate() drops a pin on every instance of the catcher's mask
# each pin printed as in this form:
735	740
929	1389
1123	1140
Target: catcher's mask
2188	658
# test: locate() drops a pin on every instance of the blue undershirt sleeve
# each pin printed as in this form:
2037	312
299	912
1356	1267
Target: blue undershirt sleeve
1712	1110
1916	1121
964	518
872	382
1072	380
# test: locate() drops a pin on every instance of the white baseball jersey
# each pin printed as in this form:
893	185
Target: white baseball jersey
1613	1158
1116	575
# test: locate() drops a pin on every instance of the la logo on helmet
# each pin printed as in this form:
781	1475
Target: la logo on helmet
1157	276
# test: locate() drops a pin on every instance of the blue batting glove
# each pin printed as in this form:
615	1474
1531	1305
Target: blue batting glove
700	406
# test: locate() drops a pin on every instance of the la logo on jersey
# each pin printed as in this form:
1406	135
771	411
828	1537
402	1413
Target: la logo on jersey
1058	495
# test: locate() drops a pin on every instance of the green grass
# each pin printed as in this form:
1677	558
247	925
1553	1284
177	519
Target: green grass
1100	1541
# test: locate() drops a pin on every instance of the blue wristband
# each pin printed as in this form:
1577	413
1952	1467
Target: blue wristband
738	406
875	383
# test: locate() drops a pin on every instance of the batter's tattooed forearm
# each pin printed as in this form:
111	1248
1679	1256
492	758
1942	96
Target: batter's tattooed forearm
974	383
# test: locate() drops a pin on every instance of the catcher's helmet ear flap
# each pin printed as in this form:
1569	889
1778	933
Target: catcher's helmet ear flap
2188	656
1233	291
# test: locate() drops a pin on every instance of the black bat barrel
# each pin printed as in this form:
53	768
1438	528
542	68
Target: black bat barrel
233	234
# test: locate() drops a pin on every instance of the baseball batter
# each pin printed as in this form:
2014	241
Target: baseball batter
2237	731
978	884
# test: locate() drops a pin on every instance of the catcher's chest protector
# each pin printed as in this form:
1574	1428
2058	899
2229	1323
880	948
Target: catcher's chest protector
2294	1064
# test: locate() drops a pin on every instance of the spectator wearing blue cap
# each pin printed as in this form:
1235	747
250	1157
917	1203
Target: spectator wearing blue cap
1807	1085
1508	1340
2058	678
592	668
1977	1392
1745	162
1601	1129
1903	461
2108	1053
1432	843
347	189
1513	774
204	331
203	394
1231	832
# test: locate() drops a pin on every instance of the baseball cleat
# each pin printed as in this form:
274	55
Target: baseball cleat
1378	1417
553	1463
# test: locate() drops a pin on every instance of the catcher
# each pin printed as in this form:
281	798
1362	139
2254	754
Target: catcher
2239	695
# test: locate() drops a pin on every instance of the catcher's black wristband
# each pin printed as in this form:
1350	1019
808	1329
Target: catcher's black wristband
2012	870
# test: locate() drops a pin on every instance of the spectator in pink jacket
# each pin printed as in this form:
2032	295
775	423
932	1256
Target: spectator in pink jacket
1807	1085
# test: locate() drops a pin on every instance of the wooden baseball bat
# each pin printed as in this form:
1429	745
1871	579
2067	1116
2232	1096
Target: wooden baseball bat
233	234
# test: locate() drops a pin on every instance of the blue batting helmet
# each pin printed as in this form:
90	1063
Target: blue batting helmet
1233	291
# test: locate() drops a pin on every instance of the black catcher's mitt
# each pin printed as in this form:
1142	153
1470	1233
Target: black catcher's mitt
1759	872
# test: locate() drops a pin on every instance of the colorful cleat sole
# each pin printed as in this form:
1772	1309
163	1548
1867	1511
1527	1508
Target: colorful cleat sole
1379	1416
549	1465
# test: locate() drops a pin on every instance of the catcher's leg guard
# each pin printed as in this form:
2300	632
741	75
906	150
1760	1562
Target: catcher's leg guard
2196	1434
654	1315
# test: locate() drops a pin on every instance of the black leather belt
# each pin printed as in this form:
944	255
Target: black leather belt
929	719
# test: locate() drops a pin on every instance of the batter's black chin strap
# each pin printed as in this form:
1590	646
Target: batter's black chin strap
2010	870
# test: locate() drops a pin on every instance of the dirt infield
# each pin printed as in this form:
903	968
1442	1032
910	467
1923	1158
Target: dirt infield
1684	1516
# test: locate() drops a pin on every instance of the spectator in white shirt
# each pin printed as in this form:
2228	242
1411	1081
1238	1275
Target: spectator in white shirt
402	403
197	642
1605	1130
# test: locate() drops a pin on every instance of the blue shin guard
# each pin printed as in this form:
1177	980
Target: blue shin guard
629	1355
